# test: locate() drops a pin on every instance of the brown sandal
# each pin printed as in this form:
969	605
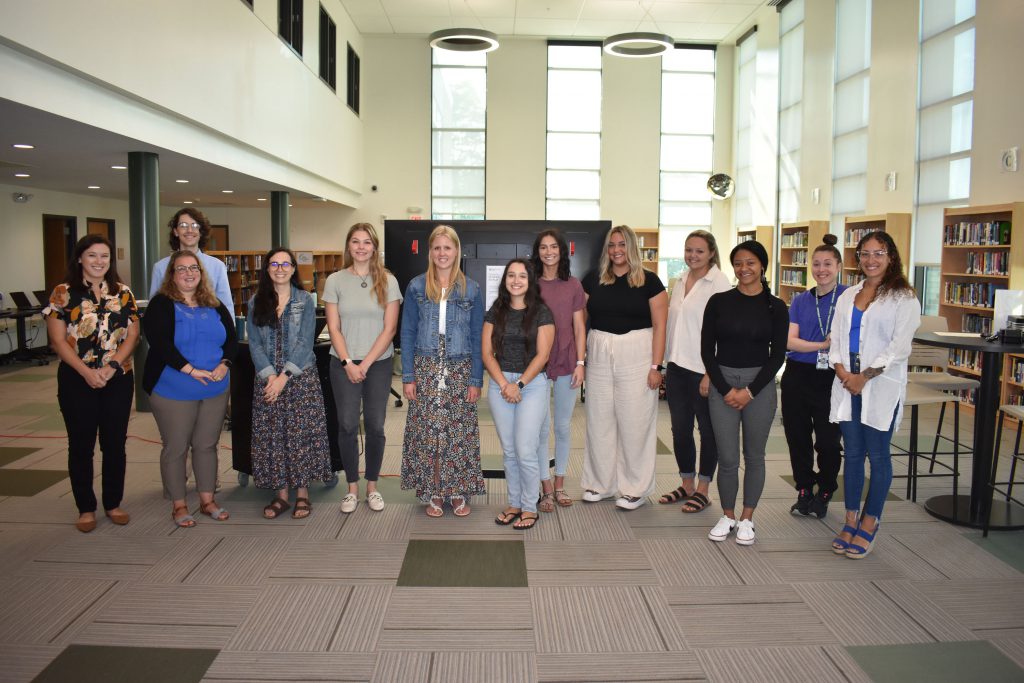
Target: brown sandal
303	508
276	508
674	496
546	503
185	521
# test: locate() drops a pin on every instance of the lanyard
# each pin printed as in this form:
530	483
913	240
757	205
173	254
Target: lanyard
831	310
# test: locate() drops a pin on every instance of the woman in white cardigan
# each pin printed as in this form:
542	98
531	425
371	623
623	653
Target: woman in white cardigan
874	325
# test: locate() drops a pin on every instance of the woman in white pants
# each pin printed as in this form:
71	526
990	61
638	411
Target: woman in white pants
628	308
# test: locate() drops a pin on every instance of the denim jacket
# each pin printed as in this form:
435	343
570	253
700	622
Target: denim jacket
463	329
297	323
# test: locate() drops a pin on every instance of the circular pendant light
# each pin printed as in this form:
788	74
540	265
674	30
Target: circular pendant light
638	44
464	40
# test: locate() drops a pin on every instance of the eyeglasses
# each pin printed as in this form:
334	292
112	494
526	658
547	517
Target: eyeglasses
189	227
878	253
283	265
181	270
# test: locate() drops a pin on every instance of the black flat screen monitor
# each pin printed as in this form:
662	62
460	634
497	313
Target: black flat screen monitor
489	243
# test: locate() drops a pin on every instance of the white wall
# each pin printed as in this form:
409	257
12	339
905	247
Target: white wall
210	80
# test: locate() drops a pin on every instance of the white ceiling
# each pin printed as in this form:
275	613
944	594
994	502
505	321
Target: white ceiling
685	20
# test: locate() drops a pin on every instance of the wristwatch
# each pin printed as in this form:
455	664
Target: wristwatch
659	368
343	361
288	373
118	370
226	361
520	384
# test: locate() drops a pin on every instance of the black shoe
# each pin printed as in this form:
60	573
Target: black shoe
819	505
803	503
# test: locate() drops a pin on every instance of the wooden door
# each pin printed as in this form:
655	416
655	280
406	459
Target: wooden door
218	238
59	237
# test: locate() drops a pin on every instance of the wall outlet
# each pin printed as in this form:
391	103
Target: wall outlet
1008	162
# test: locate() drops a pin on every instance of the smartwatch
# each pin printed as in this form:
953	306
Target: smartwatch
118	370
343	361
659	368
520	384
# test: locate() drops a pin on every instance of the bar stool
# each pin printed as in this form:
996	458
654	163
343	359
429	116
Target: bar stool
916	397
1017	413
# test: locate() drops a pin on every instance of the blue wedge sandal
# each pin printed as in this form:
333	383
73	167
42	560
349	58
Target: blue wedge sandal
839	546
855	552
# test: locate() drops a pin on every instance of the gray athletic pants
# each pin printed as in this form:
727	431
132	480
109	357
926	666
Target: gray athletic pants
756	420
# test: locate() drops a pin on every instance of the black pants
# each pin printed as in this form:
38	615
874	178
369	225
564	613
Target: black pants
806	402
372	395
87	411
682	389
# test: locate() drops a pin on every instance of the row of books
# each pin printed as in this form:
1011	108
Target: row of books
994	232
1017	371
971	293
244	263
987	262
794	239
965	360
854	235
972	322
794	278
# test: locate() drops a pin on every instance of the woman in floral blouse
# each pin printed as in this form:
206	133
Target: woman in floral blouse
93	325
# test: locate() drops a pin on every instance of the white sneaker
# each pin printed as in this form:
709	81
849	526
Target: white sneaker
629	502
591	496
349	503
745	532
721	531
375	501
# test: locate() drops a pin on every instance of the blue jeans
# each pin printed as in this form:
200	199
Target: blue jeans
516	424
860	441
565	403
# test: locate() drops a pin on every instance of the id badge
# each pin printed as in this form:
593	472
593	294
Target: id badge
822	363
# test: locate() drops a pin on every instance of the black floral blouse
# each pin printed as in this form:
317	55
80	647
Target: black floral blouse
95	329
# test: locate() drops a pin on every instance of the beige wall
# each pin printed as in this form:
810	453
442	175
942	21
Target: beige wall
816	142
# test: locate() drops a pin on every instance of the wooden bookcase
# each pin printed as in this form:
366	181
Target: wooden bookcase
896	225
796	242
765	234
981	255
244	272
648	239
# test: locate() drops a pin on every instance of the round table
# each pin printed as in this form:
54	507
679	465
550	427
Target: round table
970	510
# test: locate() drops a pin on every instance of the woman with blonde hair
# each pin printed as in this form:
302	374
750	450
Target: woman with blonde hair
192	342
362	301
442	374
628	307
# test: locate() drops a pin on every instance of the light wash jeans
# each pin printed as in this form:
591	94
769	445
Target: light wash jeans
516	424
565	403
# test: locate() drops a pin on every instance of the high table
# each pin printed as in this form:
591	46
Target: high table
970	510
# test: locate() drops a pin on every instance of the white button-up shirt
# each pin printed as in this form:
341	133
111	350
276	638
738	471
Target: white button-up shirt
686	317
886	332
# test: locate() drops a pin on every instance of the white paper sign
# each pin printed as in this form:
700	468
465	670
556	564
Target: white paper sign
1008	302
494	274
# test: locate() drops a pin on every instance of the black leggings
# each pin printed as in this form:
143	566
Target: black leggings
806	402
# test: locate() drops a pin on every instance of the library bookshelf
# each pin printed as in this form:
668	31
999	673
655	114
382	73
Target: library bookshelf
765	234
796	242
896	225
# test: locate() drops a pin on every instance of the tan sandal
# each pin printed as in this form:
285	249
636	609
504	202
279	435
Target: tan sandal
562	498
433	509
546	503
462	509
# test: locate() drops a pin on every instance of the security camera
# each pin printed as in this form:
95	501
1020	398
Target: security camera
20	197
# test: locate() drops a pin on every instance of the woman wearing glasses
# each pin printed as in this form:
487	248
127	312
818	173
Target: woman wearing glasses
362	301
192	342
442	373
871	340
190	231
93	325
289	427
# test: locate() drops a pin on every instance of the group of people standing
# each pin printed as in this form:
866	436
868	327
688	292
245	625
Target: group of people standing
723	346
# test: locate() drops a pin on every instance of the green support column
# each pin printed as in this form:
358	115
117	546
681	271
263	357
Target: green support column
144	239
280	232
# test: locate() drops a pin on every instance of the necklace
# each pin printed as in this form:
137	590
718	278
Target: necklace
361	277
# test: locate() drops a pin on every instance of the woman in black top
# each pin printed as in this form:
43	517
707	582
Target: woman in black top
517	338
628	308
743	345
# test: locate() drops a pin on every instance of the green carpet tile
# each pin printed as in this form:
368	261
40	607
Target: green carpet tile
108	664
29	408
663	449
23	377
485	564
49	423
9	454
28	482
976	660
1008	546
839	492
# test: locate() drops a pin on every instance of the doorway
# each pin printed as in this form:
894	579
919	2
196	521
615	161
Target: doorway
218	238
59	236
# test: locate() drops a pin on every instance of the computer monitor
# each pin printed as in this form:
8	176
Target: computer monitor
21	301
42	296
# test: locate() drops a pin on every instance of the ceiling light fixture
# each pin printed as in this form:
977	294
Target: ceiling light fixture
187	201
22	175
261	199
118	168
464	40
93	187
638	43
227	191
181	180
21	145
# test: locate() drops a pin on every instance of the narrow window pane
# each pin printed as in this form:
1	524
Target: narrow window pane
454	182
684	186
574	184
562	210
851	104
460	98
687	103
688	60
688	213
574	100
574	57
574	151
458	148
939	15
853	37
851	154
686	152
459	138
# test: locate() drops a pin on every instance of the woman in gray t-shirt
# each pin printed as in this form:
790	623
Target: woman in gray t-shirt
362	303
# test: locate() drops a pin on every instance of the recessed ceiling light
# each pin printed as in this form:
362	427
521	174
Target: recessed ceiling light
181	180
22	145
93	187
290	205
119	168
261	199
227	191
22	175
186	202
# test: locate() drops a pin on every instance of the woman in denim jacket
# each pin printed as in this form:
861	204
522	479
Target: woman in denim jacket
442	372
289	426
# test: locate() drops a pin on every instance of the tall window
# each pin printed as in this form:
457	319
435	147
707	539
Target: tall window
352	84
746	116
574	132
328	49
850	105
289	22
687	140
791	95
459	139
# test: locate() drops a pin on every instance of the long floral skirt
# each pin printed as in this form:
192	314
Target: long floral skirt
441	453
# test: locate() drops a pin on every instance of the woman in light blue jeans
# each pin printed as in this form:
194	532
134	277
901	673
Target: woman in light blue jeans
563	295
517	338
